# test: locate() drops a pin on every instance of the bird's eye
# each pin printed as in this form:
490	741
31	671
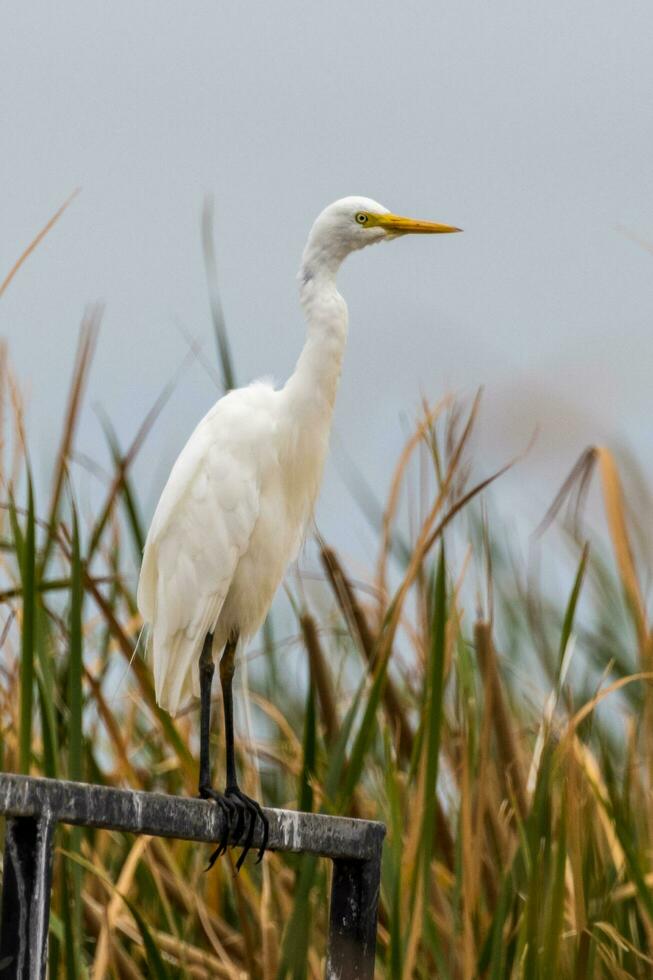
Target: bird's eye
361	218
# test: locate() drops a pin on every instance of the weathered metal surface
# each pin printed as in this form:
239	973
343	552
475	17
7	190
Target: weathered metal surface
26	897
34	806
178	816
352	924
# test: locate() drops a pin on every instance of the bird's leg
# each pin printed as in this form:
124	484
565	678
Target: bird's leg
206	791
233	791
207	668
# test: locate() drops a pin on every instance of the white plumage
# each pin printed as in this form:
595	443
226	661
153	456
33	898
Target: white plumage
240	495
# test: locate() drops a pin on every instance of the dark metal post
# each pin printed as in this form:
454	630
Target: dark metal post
34	806
26	897
352	925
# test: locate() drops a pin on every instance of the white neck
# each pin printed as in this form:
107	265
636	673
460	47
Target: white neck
310	392
312	386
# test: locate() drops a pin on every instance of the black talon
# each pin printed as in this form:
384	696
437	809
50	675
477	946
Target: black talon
240	824
218	852
266	830
227	808
246	807
254	810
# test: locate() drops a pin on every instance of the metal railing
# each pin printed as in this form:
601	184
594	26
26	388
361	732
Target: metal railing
33	807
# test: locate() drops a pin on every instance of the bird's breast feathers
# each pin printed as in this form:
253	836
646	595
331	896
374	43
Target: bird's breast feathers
234	509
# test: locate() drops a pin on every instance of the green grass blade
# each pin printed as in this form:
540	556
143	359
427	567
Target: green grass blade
496	949
47	685
294	955
75	658
366	732
75	709
305	795
433	717
49	764
70	938
28	575
134	522
156	966
392	855
570	611
557	906
338	754
88	335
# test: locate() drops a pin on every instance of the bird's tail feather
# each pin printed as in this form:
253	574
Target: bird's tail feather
176	652
175	664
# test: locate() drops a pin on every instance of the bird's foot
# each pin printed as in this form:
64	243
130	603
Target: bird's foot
248	808
233	820
240	813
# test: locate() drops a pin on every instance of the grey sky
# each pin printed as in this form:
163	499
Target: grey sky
528	124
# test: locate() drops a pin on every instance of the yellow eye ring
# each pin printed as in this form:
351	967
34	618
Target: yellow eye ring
361	218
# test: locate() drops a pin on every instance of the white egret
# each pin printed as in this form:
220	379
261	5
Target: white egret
238	500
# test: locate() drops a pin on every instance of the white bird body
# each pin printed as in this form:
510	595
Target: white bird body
236	506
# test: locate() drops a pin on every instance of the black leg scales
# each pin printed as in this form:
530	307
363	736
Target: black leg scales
240	812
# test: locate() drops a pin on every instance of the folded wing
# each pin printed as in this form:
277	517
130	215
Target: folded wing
201	528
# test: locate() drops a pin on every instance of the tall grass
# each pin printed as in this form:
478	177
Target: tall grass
520	826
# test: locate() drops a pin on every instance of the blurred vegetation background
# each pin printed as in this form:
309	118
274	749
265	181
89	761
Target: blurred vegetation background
519	821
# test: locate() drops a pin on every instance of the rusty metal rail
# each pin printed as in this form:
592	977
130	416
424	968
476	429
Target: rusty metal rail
33	807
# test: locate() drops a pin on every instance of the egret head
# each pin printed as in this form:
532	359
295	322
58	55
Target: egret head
354	222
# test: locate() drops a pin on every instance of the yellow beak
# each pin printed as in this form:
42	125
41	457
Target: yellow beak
397	225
